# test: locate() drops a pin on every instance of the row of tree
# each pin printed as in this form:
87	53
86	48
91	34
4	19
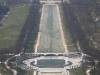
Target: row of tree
83	2
5	52
28	28
3	11
15	2
77	33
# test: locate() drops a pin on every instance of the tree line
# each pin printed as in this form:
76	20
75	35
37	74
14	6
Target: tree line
15	2
28	28
3	11
77	33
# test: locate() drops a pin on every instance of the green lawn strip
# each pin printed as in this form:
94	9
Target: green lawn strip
95	72
72	48
11	28
79	71
4	71
21	71
70	45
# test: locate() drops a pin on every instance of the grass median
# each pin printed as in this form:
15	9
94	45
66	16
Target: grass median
4	71
11	27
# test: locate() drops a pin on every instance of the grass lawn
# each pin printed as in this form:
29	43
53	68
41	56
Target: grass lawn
23	71
2	1
78	71
4	71
11	28
70	45
95	72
